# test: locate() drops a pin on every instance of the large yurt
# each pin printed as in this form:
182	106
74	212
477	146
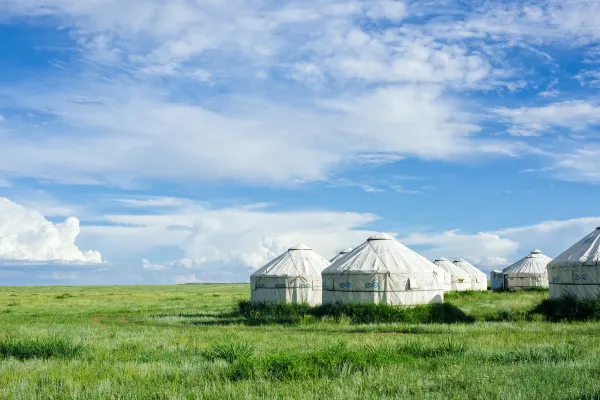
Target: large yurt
382	270
529	271
460	280
293	277
340	254
496	279
478	278
575	272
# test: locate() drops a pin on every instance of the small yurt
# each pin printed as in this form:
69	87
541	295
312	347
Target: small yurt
478	278
576	272
340	254
529	271
382	270
496	279
293	277
459	278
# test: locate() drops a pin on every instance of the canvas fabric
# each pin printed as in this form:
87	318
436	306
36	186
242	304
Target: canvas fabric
293	277
575	272
496	279
460	280
382	270
530	271
478	278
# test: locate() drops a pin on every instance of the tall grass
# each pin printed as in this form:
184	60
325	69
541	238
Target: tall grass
46	347
358	313
569	309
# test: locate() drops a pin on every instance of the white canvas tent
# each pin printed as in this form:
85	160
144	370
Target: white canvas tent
382	270
529	271
459	279
340	254
496	279
576	272
293	277
478	278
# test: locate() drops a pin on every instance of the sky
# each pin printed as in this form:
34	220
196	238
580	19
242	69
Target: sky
164	142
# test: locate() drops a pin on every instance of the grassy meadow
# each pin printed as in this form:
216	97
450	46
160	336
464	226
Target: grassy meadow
200	342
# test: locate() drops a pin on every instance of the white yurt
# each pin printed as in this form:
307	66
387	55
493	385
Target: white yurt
478	278
382	270
460	280
529	271
293	277
576	272
496	279
340	254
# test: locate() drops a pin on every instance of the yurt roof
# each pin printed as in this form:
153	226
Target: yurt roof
468	267
298	260
381	253
534	263
584	252
451	268
341	254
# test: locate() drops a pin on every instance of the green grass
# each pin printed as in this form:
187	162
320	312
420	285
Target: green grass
208	342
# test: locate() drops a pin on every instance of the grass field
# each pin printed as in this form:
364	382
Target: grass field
172	342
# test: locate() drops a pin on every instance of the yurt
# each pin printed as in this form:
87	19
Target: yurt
459	279
496	279
293	277
478	278
382	270
576	271
340	254
529	271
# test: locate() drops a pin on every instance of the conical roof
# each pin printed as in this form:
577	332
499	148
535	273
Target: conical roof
469	268
584	252
341	254
534	263
298	260
454	270
381	254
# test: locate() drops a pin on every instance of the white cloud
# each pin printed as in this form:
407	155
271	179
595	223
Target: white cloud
254	141
402	189
483	249
181	279
532	121
580	165
154	266
227	243
25	235
153	202
590	77
502	247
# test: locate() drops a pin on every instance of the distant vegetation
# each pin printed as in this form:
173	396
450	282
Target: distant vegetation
209	342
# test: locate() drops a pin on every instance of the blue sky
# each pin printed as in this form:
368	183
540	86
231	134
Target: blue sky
191	141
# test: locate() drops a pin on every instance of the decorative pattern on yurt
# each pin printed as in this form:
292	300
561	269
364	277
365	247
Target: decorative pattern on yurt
382	270
293	277
575	272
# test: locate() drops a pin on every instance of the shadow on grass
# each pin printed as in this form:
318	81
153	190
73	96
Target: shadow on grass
569	309
45	348
302	314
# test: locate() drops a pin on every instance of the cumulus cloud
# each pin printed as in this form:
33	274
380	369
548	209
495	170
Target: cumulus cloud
227	244
26	236
502	247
